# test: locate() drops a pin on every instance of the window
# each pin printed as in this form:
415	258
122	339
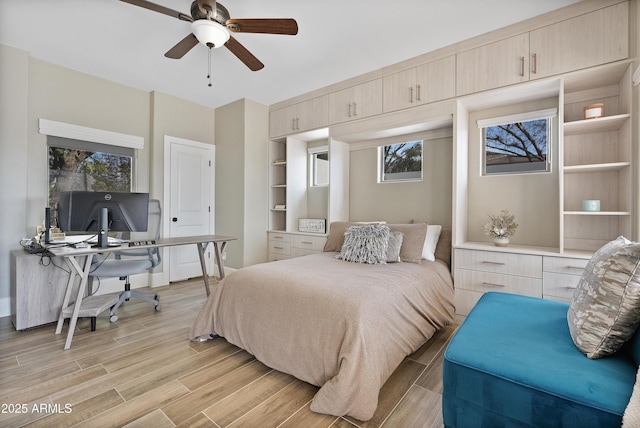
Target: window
517	144
81	165
401	162
318	166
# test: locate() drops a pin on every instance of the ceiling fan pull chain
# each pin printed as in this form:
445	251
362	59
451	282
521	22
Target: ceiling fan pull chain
209	75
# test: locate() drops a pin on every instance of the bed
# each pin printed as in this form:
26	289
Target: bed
339	325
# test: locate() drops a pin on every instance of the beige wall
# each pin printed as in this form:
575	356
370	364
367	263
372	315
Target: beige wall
532	198
427	200
32	89
241	186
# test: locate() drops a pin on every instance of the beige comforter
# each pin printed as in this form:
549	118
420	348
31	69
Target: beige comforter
342	326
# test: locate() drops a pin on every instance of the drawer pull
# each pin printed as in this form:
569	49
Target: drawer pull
306	242
278	237
491	284
278	248
574	267
488	262
571	287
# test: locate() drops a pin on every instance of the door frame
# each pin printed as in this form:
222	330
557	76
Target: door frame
166	223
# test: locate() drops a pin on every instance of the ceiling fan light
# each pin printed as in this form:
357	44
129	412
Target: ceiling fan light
210	33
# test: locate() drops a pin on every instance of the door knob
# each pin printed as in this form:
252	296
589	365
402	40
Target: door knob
174	219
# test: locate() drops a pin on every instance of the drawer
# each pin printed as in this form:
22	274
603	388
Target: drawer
560	285
498	262
274	257
489	281
279	247
280	237
315	243
298	252
564	265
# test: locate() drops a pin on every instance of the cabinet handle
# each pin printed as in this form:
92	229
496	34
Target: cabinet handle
278	237
349	109
488	262
293	124
418	96
534	70
574	267
355	113
411	94
297	123
306	242
522	66
491	284
571	287
278	248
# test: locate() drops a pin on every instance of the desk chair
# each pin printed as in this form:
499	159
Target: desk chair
122	266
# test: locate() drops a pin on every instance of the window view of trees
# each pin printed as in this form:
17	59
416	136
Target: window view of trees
72	169
402	161
516	147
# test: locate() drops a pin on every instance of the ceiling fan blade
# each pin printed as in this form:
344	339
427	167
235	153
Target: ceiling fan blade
158	8
182	47
267	25
244	55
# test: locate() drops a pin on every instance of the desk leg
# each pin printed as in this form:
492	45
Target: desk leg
202	247
76	269
219	251
67	294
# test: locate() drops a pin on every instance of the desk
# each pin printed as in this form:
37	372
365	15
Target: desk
79	262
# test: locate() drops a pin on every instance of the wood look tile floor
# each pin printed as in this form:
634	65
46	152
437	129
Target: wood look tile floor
143	371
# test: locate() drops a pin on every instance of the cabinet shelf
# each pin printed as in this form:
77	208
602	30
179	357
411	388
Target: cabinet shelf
602	124
598	213
599	167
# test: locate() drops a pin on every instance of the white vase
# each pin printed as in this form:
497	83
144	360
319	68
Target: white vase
501	241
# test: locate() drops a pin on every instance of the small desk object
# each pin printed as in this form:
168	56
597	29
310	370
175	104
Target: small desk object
79	262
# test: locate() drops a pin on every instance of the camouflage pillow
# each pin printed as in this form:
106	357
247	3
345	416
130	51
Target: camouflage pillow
605	309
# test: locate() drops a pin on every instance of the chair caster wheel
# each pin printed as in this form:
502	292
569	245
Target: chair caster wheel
113	318
158	307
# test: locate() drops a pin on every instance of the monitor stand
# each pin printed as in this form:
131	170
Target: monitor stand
103	229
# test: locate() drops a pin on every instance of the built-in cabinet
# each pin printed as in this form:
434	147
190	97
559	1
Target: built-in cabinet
597	160
357	102
285	245
587	40
426	83
300	117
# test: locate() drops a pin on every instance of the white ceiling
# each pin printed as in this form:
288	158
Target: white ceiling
337	39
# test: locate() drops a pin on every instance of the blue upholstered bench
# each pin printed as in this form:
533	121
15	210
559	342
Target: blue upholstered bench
512	363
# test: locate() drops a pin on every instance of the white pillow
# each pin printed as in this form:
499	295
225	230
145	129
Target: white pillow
430	242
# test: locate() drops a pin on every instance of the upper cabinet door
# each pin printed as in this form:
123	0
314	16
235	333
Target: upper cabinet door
592	39
356	102
299	117
494	65
436	80
427	83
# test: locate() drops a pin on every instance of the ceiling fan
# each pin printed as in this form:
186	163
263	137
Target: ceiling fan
212	25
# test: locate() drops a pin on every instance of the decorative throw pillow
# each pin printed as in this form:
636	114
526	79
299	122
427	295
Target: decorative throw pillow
412	242
431	241
605	308
365	244
394	246
337	229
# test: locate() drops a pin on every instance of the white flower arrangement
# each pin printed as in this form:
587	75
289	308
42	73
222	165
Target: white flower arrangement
501	225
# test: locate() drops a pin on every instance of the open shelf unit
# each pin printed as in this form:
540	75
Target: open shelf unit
596	161
277	184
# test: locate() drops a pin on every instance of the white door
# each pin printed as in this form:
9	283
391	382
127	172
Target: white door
190	210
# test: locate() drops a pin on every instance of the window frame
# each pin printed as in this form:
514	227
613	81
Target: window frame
313	153
383	177
549	115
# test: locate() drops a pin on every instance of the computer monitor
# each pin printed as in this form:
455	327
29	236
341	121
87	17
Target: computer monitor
101	212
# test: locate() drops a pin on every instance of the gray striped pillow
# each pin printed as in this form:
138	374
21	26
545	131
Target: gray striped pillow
605	308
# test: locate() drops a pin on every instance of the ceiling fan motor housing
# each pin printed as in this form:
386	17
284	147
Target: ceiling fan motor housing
220	15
